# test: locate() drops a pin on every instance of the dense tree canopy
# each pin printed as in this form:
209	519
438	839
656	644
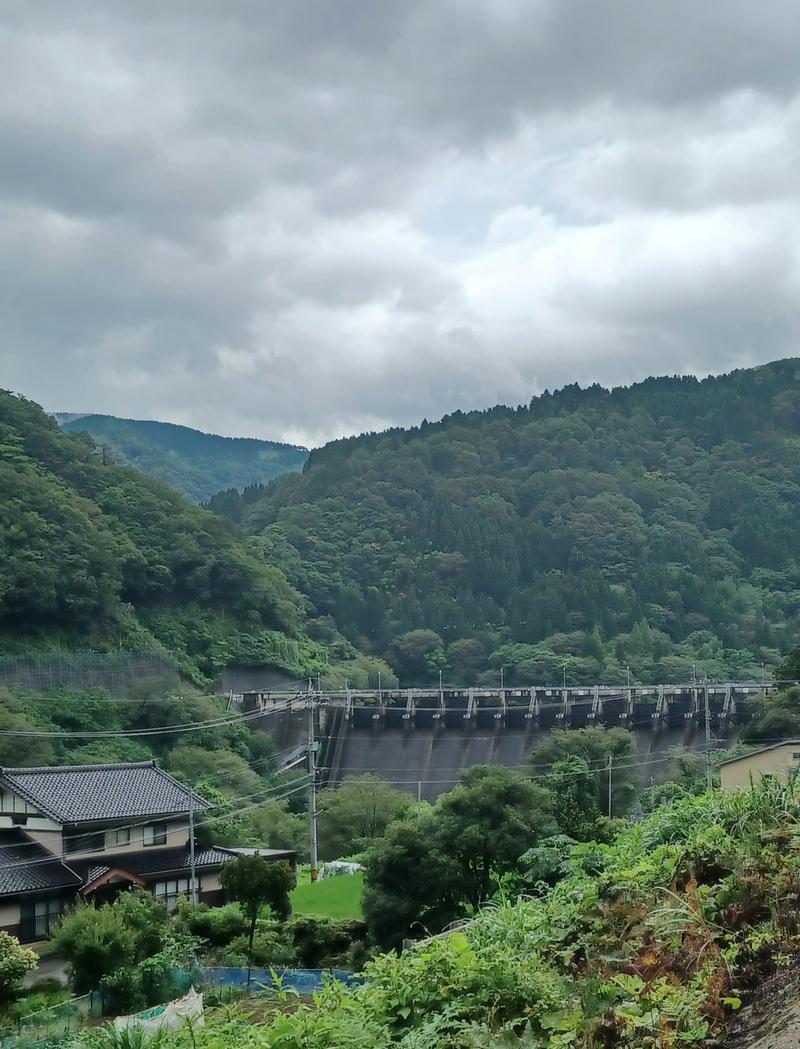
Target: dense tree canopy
430	869
194	463
101	554
775	717
651	527
592	747
354	814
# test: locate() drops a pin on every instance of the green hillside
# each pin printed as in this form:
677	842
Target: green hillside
98	555
196	464
653	527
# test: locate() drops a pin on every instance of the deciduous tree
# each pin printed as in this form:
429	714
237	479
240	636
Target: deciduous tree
256	882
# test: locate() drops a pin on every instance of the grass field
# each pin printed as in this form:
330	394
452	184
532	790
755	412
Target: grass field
334	897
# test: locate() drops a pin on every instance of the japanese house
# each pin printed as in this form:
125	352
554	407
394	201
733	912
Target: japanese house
92	830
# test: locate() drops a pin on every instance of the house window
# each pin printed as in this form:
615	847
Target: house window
120	836
95	841
40	917
169	891
155	834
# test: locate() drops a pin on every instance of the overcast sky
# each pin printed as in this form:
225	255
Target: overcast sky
300	219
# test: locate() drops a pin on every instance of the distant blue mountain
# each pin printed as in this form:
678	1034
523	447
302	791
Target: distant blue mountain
195	463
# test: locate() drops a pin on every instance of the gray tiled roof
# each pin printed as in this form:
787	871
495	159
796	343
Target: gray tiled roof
82	793
151	862
22	869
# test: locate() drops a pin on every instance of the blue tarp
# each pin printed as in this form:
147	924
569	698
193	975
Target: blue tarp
303	981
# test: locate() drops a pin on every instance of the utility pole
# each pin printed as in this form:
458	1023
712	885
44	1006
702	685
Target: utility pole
419	798
502	677
610	765
312	785
565	675
192	860
709	770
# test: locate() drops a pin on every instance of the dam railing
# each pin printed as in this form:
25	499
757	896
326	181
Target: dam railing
566	705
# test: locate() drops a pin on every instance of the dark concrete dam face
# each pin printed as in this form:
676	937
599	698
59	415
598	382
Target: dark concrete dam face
431	759
428	756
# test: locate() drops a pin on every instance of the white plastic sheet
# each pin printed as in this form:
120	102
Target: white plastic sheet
165	1017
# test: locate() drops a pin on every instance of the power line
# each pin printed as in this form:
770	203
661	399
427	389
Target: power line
53	858
518	765
190	726
303	781
301	785
230	775
589	771
277	787
109	700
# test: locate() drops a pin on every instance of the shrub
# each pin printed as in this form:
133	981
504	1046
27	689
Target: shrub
269	948
217	925
15	962
47	985
323	942
97	941
94	942
35	1001
121	993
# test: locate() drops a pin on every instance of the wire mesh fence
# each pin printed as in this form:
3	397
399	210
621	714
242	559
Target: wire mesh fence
301	981
53	1026
113	671
47	1027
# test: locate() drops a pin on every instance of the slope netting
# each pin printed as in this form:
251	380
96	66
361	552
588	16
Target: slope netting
113	671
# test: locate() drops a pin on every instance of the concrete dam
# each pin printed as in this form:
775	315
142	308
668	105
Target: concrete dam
420	739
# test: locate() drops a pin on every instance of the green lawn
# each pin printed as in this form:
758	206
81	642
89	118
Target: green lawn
335	897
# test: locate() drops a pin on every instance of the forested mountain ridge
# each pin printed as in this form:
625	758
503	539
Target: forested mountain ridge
98	554
195	463
652	526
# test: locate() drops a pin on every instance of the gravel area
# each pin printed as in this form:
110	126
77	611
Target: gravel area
772	1019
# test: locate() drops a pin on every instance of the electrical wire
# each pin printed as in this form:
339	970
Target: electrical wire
230	776
192	726
521	765
565	775
301	785
275	788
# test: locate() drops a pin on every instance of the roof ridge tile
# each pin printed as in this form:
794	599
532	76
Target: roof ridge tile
102	767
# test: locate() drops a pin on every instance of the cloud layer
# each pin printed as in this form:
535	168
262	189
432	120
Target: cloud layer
305	219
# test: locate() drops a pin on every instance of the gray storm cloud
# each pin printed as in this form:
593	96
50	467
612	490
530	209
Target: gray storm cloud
304	220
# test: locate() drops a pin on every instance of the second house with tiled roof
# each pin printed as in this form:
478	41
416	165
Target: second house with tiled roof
94	830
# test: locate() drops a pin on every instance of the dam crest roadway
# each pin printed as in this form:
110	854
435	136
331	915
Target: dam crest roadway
612	704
